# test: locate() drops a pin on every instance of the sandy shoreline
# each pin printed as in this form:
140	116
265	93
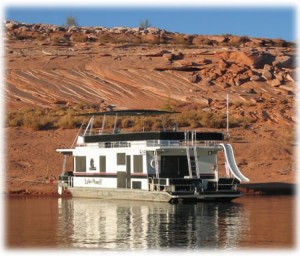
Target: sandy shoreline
271	188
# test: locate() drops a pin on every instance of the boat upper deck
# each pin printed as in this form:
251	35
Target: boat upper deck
160	135
167	135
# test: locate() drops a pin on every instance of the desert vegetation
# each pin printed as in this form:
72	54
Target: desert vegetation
39	118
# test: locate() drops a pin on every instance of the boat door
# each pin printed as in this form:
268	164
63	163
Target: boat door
128	171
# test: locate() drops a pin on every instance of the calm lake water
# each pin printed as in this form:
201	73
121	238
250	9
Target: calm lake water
246	223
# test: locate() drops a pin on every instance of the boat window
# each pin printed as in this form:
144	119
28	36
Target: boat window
80	164
137	185
102	163
174	167
138	163
120	158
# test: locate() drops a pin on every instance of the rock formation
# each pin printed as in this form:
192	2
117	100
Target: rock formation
51	66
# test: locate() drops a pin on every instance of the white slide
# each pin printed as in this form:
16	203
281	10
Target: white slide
234	169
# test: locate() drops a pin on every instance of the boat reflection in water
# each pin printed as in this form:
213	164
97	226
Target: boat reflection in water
95	223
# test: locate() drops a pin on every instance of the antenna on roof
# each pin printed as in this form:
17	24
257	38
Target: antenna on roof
227	115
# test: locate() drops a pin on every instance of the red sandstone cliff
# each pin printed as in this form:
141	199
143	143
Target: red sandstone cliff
50	66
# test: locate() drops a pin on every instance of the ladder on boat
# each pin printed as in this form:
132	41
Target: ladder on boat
156	164
193	163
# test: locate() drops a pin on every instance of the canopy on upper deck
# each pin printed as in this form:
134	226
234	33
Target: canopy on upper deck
160	135
131	112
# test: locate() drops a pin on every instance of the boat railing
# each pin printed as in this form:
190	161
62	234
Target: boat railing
207	143
116	144
158	184
70	181
66	180
157	143
154	143
172	184
167	143
190	139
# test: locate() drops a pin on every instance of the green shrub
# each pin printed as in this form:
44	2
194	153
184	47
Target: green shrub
66	122
80	38
69	121
14	119
71	21
144	24
37	119
180	39
212	120
157	125
168	106
127	122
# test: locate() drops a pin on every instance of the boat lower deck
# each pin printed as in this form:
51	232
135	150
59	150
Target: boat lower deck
153	196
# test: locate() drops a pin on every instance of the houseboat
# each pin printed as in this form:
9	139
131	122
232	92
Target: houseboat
159	166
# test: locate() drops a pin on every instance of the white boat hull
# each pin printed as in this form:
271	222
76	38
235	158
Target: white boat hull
152	196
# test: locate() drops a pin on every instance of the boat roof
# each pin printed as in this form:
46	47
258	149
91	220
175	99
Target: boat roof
160	135
131	112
